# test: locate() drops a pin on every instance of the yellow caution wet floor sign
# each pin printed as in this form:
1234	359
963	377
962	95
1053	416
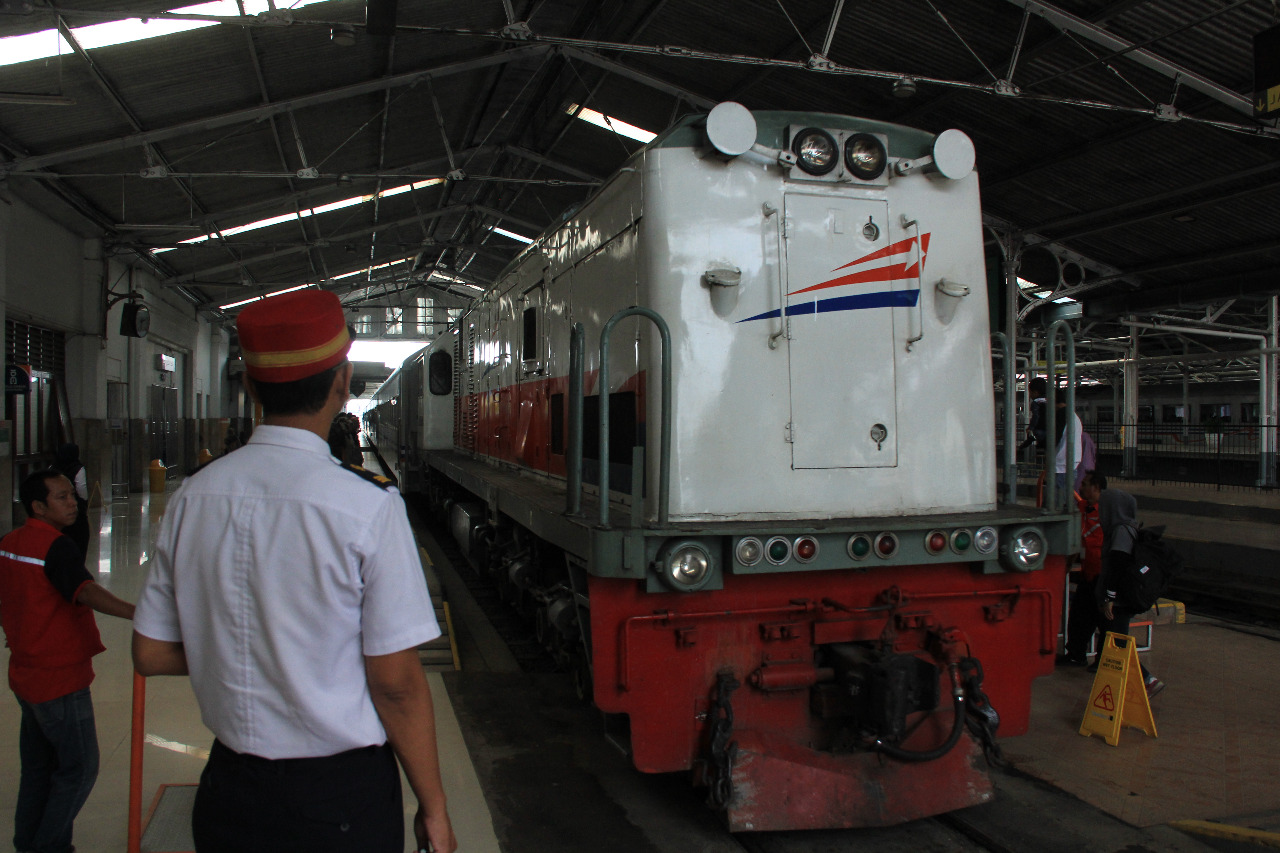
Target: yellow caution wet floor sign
1118	696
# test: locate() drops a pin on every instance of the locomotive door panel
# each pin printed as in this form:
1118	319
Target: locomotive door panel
840	331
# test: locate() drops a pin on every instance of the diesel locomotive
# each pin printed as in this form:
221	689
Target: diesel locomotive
725	435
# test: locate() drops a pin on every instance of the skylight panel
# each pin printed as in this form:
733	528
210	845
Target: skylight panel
263	296
47	43
311	211
618	126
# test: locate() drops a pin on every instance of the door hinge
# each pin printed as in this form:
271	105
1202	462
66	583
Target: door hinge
790	433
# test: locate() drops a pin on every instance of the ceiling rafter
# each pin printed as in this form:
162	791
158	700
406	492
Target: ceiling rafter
255	114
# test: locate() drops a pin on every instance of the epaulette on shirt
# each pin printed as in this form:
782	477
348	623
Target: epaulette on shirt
365	473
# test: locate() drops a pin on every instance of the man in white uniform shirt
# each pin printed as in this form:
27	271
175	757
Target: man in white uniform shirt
289	587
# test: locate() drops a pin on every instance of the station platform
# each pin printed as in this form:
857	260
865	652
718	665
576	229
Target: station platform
176	741
1215	759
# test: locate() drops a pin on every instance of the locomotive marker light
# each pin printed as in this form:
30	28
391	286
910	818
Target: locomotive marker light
886	545
749	551
806	549
961	541
985	540
687	566
778	550
935	541
859	546
1024	550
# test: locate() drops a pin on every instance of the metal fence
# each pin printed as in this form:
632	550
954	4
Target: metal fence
1226	456
1235	455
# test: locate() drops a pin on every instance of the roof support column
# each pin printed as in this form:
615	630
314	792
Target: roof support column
1268	414
1129	418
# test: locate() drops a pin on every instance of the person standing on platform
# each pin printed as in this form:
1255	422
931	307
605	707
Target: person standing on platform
68	462
47	599
1065	419
289	587
1118	514
1082	620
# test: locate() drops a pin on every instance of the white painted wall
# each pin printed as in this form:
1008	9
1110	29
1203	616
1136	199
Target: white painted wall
52	278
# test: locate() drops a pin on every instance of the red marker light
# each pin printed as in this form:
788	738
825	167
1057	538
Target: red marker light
886	545
936	542
806	549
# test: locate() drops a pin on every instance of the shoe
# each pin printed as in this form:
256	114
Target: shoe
1067	660
1154	686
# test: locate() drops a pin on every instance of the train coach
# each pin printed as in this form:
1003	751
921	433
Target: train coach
724	434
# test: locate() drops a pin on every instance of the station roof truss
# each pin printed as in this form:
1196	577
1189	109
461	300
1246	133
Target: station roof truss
1118	135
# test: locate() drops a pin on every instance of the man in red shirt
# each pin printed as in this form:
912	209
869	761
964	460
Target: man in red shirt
47	599
1083	618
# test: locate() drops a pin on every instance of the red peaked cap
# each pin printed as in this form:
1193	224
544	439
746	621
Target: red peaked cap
293	336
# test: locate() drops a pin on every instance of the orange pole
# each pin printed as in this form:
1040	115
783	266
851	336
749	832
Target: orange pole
135	763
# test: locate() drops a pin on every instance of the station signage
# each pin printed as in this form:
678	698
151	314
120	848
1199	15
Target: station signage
17	379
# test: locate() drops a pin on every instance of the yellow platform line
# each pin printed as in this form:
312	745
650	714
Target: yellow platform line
1228	831
453	641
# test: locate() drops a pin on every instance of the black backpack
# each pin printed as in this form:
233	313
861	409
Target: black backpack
1155	564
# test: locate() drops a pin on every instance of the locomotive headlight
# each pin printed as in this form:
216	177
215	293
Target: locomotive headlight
864	156
687	567
985	540
816	151
1024	550
749	551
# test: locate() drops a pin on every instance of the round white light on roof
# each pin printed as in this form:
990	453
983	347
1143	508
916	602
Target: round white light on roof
731	128
953	154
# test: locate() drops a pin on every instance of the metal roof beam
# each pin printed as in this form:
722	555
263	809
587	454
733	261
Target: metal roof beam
1098	35
253	114
615	67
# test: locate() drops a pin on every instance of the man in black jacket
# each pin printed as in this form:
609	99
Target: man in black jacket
1118	514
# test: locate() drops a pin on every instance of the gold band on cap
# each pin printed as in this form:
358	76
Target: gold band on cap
293	358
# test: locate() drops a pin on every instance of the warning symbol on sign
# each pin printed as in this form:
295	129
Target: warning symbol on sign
1105	700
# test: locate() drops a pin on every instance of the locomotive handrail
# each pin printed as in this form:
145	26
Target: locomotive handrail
1051	396
664	481
577	349
1010	428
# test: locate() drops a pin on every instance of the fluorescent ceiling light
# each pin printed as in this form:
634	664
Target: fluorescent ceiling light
47	43
599	119
514	236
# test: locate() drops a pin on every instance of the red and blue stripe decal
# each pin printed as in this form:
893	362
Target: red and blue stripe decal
899	271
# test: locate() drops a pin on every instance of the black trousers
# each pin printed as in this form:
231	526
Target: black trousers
1118	625
1082	619
344	803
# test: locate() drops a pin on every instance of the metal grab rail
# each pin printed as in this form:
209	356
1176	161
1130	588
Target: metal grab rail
1050	415
664	482
1010	428
573	462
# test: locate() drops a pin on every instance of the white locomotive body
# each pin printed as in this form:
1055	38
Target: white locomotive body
819	520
